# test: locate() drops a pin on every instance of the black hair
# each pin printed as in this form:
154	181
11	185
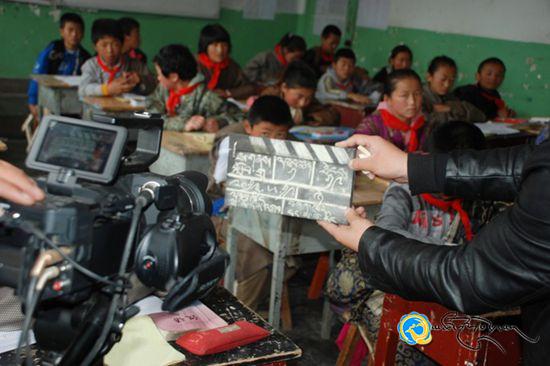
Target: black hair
399	49
439	61
293	43
491	60
397	75
213	33
176	58
455	135
127	25
106	27
272	109
344	53
72	18
298	74
331	29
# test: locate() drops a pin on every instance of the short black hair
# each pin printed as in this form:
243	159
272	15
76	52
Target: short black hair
331	29
455	135
491	60
71	18
399	49
293	43
213	33
272	109
439	61
127	25
344	53
106	27
396	76
176	58
298	74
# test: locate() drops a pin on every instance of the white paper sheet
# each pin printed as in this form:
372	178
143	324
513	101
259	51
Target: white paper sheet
491	128
9	340
373	14
70	80
149	305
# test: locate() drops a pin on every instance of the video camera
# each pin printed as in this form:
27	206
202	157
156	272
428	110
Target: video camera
105	219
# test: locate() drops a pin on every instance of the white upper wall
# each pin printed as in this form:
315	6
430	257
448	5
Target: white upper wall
517	20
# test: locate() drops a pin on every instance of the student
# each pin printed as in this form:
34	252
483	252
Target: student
484	94
270	117
62	57
108	73
438	103
297	88
132	39
340	83
267	67
399	117
431	218
183	97
222	74
321	57
400	59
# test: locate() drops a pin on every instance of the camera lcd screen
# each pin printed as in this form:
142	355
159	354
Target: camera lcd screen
76	147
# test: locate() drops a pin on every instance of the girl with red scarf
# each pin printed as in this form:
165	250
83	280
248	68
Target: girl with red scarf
399	117
222	74
266	68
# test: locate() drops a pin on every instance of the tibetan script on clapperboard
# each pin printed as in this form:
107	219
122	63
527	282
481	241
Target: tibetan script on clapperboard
289	178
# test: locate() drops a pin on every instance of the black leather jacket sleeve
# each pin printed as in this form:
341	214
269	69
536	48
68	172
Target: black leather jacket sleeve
507	262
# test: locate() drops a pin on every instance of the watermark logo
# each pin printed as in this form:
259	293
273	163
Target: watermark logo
415	328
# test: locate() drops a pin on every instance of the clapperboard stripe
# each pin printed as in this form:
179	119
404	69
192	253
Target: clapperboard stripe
293	149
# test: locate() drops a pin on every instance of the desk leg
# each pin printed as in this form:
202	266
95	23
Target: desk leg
231	247
278	274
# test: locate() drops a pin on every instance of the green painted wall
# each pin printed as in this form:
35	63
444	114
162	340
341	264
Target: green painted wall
25	30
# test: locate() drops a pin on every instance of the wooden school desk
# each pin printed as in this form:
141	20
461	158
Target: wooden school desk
183	151
112	105
57	96
275	348
351	114
283	236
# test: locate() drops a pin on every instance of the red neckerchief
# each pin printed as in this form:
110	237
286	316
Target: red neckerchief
392	121
174	98
498	101
327	57
134	55
112	72
215	67
455	204
280	56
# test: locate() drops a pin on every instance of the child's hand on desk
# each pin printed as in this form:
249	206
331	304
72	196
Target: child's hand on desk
349	235
132	77
211	125
358	98
442	108
195	123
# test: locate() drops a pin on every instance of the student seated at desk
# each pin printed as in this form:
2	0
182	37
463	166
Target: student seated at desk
108	73
64	56
269	117
297	88
430	218
484	94
438	103
132	39
399	117
340	82
321	57
400	59
222	74
182	95
267	67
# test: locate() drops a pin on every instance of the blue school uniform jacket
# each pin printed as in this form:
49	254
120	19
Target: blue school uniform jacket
54	59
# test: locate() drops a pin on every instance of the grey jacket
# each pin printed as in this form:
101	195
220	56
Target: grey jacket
264	69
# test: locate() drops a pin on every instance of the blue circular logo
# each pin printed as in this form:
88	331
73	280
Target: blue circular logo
415	328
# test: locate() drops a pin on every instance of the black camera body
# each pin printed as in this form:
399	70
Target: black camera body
97	176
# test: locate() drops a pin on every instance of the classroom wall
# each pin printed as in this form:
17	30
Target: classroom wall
526	88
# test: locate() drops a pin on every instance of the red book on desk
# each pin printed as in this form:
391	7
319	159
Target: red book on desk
221	339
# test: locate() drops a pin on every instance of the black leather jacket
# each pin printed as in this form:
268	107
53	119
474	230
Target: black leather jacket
508	262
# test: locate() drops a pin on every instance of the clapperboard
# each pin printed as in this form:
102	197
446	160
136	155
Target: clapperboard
289	178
